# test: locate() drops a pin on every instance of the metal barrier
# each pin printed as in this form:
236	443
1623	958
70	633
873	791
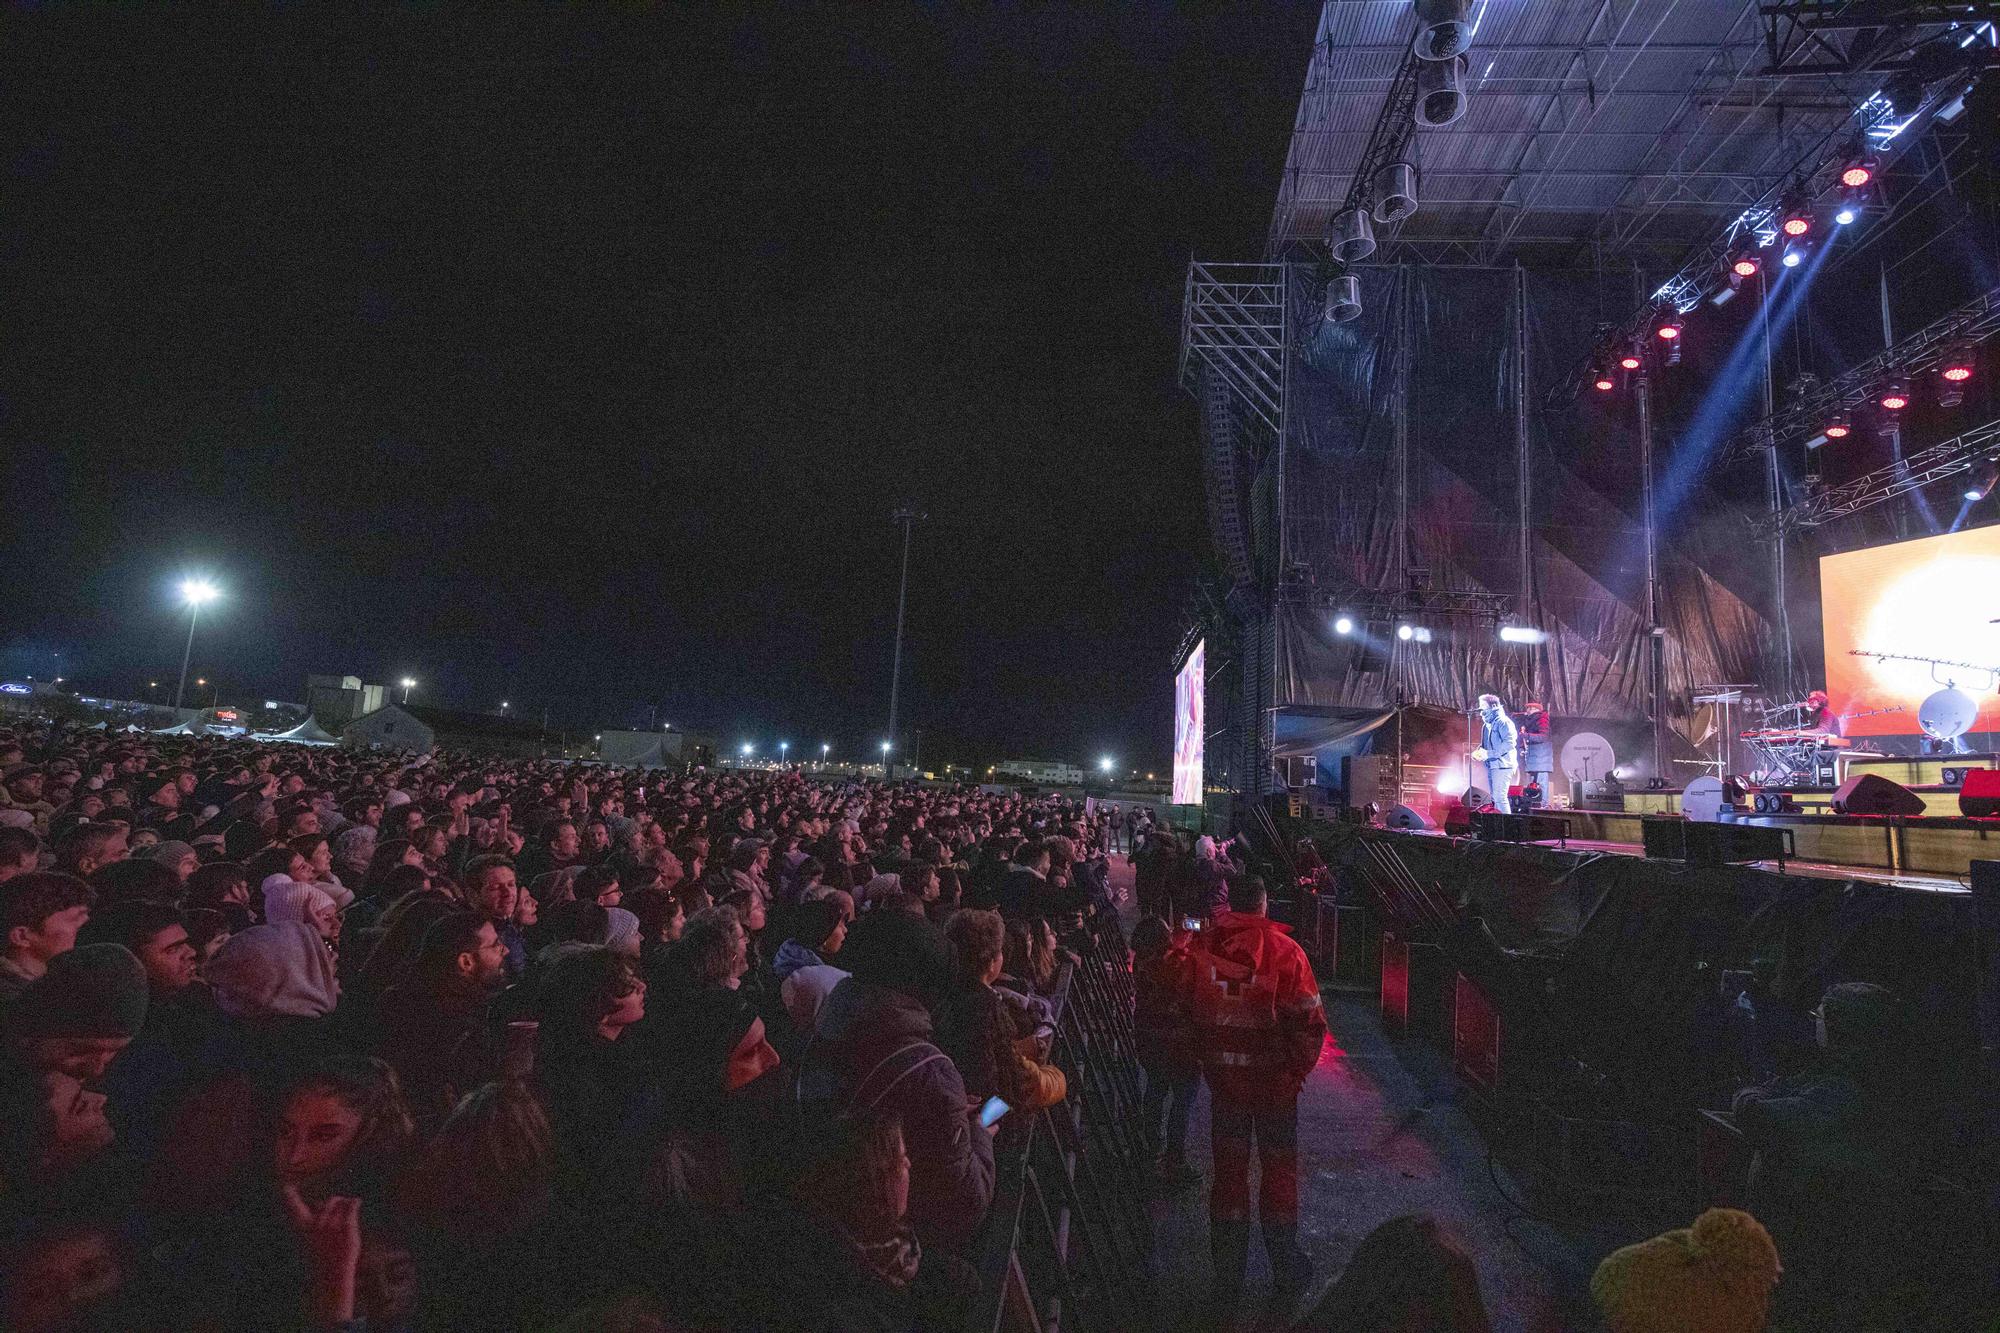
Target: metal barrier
1069	1243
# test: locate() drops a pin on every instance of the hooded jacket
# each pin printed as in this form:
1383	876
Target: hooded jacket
1259	1024
874	1050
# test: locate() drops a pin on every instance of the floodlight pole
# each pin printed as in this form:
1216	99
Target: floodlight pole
909	516
194	611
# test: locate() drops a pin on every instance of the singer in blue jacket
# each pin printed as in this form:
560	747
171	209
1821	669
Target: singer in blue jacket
1498	738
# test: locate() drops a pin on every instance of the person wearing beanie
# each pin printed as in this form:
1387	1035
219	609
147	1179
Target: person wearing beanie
80	1013
1715	1276
175	855
621	932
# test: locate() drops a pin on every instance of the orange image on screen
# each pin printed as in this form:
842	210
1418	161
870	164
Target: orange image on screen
1933	597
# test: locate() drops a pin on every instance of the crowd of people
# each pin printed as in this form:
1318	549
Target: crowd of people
332	1039
322	1038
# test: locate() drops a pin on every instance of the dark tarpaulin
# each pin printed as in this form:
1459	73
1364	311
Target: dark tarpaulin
1589	593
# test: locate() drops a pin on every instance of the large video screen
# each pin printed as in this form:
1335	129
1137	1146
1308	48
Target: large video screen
1188	726
1933	597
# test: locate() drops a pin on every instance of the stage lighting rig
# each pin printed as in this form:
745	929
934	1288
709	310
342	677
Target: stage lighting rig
1839	427
1895	395
1795	215
1987	480
1668	330
1746	264
1955	363
1601	379
1631	358
1858	173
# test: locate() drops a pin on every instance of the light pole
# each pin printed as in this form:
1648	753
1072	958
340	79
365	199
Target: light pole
909	516
408	685
783	748
825	749
194	592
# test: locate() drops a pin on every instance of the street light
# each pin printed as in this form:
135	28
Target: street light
408	685
783	747
748	749
825	749
195	592
1105	763
503	705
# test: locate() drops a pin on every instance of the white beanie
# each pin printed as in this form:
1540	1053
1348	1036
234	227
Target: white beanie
621	931
288	899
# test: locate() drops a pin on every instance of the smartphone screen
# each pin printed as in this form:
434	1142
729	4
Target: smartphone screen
990	1113
1191	923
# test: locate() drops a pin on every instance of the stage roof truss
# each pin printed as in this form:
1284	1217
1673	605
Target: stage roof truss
1939	462
1603	127
1976	321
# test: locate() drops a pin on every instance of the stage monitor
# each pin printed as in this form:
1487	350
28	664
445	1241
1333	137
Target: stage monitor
1189	725
1932	597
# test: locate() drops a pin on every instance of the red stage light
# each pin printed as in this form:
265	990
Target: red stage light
1797	226
1957	374
1838	430
1955	366
1669	330
1746	267
1896	397
1604	383
1629	361
1857	175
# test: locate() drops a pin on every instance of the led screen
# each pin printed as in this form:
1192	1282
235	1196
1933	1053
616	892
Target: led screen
1933	597
1188	724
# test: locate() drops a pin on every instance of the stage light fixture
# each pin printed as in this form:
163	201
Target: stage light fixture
1406	632
1896	395
1840	427
1847	212
1631	360
1795	216
1746	265
1601	379
1858	173
1343	299
1668	329
1988	479
1521	634
1444	29
1955	364
1343	624
1794	256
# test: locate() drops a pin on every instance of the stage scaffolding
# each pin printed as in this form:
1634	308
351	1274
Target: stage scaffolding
1421	466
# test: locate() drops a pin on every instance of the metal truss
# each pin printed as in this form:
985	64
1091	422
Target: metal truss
1975	321
1234	322
1395	125
1881	28
1954	456
1387	603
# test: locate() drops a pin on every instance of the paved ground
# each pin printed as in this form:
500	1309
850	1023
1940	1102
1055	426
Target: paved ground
1380	1135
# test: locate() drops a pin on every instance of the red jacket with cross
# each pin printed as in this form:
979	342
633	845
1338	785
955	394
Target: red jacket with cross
1255	1005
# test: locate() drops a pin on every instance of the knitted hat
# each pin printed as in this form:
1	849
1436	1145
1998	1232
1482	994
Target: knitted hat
622	930
1716	1276
269	970
98	990
168	853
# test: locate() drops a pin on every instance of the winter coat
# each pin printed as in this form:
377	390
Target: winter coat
1259	1024
993	1043
1164	1034
873	1050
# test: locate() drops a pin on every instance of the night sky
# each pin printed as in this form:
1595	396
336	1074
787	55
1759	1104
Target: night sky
579	360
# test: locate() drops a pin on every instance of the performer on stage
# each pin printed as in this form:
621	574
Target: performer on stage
1498	738
1538	752
1816	714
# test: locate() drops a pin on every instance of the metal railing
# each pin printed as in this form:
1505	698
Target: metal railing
1068	1243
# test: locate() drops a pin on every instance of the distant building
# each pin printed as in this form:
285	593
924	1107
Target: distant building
1052	772
335	701
642	749
420	729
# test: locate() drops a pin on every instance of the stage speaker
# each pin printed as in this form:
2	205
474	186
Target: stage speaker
1402	816
1873	794
1979	792
1475	799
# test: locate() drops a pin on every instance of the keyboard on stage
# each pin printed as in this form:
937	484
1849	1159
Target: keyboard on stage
1786	736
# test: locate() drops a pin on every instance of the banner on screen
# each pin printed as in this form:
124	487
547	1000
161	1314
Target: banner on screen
1933	597
1189	724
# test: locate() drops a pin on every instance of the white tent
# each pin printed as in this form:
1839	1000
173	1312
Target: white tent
307	732
192	727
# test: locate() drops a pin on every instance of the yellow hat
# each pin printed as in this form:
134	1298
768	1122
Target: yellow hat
1715	1276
